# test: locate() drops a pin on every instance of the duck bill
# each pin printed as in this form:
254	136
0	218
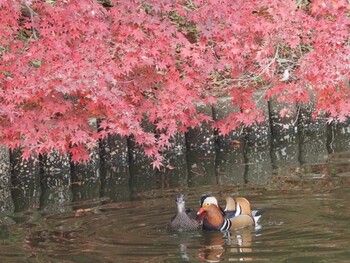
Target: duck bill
200	211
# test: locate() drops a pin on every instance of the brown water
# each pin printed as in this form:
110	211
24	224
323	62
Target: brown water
306	220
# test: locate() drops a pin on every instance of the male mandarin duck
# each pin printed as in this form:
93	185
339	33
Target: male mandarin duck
230	204
185	219
237	214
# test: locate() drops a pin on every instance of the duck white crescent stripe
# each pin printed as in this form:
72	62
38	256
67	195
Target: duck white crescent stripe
223	226
226	225
238	210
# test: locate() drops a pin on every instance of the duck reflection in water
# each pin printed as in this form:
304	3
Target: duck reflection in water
226	245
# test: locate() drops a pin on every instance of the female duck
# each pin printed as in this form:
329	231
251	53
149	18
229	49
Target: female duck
185	219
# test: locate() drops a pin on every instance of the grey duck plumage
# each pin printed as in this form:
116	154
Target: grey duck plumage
185	219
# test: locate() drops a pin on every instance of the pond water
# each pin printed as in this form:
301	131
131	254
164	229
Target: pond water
305	218
309	224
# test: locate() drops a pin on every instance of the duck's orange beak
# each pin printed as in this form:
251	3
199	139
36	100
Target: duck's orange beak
200	211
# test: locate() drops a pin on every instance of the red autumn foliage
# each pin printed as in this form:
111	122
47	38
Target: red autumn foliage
64	63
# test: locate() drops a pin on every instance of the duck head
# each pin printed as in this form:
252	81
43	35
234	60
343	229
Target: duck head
208	199
211	216
180	202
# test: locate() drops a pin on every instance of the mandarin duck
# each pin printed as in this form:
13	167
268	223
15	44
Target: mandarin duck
185	219
231	205
229	210
237	214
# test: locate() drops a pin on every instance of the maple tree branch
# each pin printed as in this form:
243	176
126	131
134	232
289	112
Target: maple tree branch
264	91
297	116
189	6
32	13
246	81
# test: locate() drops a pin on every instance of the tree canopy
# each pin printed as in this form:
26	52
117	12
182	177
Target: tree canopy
66	62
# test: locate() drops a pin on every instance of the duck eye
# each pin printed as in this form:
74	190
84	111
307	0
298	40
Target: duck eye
207	204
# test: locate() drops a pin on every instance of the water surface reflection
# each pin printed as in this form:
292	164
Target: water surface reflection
302	183
298	226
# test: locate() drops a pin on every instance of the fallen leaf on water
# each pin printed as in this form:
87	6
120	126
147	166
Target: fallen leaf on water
82	211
